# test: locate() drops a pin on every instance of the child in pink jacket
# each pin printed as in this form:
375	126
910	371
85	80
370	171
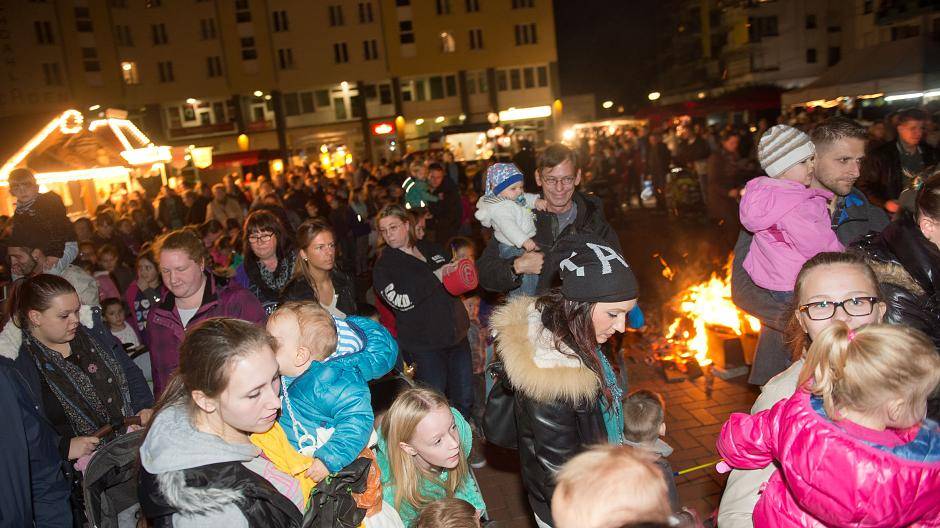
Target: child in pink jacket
852	446
790	220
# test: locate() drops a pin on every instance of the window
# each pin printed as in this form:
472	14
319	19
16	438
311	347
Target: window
355	103
407	91
868	6
502	80
436	84
761	27
123	37
306	103
443	7
370	49
810	21
483	82
476	39
90	60
158	31
323	98
129	73
291	104
165	71
248	48
471	84
528	78
51	74
280	21
43	32
520	4
811	56
450	83
542	74
340	53
419	90
365	12
473	6
336	15
339	108
207	28
385	94
83	20
406	32
835	55
514	81
448	44
525	34
152	3
285	58
214	66
242	11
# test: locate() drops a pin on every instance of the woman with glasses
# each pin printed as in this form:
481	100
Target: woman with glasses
269	259
830	287
431	323
315	275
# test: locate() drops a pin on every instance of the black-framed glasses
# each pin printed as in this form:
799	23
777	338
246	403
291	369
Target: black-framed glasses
855	306
260	238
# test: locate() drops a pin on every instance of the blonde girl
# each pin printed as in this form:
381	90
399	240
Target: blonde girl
422	452
852	447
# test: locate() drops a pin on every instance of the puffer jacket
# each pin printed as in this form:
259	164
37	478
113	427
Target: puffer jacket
908	268
335	394
165	330
558	404
827	477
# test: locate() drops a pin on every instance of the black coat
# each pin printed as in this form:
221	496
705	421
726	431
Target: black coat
446	212
496	273
33	488
298	289
46	220
882	176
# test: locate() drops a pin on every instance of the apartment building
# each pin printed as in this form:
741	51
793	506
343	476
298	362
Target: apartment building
292	76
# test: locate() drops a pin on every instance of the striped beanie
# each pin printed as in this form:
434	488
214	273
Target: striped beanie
782	147
499	176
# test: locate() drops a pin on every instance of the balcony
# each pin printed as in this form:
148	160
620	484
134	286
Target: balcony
202	130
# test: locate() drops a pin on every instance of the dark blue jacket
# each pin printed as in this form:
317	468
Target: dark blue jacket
33	487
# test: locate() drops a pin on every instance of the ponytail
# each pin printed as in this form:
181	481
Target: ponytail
866	368
35	294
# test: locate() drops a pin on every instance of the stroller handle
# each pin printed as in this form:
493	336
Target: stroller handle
123	421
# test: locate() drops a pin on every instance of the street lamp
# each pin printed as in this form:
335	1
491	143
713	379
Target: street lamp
653	96
607	104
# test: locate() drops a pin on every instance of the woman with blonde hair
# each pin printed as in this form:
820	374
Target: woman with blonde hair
422	452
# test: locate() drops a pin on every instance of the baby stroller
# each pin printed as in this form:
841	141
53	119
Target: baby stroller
684	195
110	483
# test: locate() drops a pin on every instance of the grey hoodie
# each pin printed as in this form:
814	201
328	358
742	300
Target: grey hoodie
173	445
662	450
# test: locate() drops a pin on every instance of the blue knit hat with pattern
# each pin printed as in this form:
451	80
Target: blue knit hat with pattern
500	176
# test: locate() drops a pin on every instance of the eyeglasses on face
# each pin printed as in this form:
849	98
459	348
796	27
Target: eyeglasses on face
855	307
566	181
260	238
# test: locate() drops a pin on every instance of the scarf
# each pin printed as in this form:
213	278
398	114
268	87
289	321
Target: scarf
90	385
275	280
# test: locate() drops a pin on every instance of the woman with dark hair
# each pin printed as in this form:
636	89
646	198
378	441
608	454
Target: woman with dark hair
68	358
315	275
198	465
566	396
269	259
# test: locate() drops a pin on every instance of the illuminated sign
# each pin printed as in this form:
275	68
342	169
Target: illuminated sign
383	128
532	112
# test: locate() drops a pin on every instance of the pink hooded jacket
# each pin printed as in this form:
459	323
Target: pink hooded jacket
826	477
791	224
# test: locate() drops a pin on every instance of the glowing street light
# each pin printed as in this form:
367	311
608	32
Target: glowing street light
191	101
607	104
439	119
568	135
258	93
654	96
419	121
344	85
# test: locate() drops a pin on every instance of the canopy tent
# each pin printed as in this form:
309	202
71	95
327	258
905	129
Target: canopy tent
902	66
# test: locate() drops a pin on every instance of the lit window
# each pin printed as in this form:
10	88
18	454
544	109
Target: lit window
448	44
129	73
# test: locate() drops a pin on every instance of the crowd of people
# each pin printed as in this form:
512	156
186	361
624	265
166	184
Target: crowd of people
263	321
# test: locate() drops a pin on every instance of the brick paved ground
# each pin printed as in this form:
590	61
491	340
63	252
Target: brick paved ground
693	420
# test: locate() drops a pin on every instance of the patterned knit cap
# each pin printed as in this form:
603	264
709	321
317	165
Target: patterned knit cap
782	147
500	176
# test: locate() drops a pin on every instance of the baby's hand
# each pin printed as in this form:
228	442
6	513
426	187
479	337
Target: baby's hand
317	471
530	245
541	204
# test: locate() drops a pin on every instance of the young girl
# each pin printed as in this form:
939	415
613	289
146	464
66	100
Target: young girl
852	446
508	210
423	449
790	220
115	317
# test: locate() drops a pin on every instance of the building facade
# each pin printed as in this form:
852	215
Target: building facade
291	76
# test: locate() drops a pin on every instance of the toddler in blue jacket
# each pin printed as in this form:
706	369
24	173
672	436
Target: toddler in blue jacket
325	365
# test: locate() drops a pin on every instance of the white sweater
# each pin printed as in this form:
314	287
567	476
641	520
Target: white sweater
512	223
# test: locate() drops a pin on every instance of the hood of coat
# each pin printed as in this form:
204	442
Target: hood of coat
173	445
534	365
12	337
893	273
767	201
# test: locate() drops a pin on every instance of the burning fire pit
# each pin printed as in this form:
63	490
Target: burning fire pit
709	330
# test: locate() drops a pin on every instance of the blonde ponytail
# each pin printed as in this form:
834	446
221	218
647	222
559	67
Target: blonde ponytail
864	369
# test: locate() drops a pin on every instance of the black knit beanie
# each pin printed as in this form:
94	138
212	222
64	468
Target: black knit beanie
593	271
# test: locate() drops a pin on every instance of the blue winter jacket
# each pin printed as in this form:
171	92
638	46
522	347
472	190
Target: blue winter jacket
335	394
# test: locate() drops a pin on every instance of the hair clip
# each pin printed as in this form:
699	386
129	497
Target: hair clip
851	335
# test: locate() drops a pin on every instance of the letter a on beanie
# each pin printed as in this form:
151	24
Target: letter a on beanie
592	271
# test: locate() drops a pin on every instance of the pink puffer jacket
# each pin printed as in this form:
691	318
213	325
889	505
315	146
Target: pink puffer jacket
825	477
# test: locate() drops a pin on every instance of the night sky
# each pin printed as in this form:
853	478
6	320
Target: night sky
607	47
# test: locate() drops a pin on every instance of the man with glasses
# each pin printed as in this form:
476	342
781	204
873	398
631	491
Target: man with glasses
567	211
840	148
43	215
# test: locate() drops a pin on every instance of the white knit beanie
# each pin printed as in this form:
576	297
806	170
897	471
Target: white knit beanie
782	147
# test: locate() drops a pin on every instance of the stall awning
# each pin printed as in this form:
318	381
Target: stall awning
908	65
750	98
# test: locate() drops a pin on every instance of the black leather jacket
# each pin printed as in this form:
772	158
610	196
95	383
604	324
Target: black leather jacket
908	269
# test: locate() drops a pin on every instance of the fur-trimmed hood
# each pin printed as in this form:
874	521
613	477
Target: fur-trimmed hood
895	274
11	338
535	367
